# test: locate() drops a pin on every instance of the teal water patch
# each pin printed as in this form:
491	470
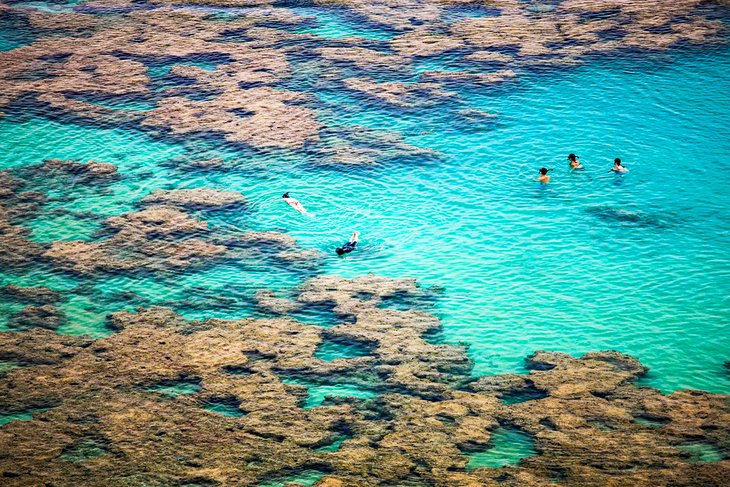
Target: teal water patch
176	388
318	393
26	415
651	421
333	349
306	477
7	365
334	446
507	446
7	310
226	407
85	316
701	452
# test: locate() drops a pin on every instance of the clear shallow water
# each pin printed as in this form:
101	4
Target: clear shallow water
636	263
507	446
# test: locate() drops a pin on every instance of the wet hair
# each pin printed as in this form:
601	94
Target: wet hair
340	250
543	171
617	161
572	157
286	195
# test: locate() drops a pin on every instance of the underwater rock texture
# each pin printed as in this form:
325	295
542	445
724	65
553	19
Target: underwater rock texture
130	408
233	79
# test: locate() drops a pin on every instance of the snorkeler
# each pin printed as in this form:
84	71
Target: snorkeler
350	245
294	203
618	167
543	177
574	162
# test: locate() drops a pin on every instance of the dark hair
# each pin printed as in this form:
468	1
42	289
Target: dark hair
543	171
572	157
286	195
340	250
617	161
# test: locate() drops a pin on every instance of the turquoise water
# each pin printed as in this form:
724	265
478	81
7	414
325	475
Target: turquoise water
635	263
305	477
317	393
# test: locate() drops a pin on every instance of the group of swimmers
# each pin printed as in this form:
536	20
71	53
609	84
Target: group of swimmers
543	178
348	247
575	165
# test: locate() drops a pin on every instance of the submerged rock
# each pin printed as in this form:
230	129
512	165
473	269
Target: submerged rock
200	198
37	316
37	295
424	421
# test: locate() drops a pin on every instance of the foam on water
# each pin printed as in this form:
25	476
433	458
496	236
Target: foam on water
635	263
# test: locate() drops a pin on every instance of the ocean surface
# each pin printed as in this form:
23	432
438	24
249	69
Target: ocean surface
637	263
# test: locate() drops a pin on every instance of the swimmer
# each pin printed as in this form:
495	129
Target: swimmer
350	245
618	168
574	162
543	177
294	203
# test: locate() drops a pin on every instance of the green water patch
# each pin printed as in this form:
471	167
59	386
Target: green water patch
7	311
84	449
702	452
507	446
8	365
62	227
651	421
317	394
334	348
306	476
176	387
85	316
334	446
26	415
229	406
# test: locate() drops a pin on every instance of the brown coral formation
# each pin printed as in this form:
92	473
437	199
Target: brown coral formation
247	98
199	198
16	249
156	238
110	420
399	94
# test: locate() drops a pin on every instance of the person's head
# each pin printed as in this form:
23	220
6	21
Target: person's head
617	162
543	171
286	195
572	157
340	250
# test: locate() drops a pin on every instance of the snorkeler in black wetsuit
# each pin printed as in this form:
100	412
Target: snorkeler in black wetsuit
350	245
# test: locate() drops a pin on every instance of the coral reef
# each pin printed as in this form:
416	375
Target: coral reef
107	421
199	198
